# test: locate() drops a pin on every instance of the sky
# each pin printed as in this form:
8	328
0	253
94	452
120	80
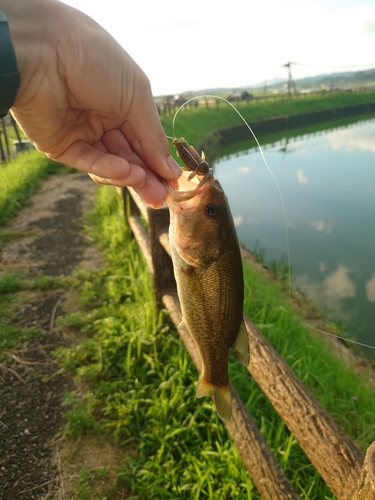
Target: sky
206	44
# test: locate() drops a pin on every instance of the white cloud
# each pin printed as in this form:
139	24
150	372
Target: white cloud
237	221
370	289
369	28
243	170
320	225
169	43
301	178
330	293
339	285
350	139
172	25
322	267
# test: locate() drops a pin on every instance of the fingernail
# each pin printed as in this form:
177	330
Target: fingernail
142	184
173	166
158	205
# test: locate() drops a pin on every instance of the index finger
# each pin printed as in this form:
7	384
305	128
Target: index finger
146	135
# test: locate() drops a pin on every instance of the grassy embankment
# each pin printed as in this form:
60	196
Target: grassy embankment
195	124
140	383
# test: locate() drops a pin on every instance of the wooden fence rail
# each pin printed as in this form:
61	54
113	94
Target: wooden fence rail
342	466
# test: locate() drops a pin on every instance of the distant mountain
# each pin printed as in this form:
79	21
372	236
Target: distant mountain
270	83
333	80
230	90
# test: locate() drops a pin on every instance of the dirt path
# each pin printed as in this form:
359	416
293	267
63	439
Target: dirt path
31	386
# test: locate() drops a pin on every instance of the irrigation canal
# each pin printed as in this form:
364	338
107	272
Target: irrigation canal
327	181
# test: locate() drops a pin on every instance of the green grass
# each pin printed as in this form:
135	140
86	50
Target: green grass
7	236
21	177
11	282
141	383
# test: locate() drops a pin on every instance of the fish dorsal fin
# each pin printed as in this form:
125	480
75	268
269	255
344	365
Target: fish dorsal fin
241	346
182	326
221	396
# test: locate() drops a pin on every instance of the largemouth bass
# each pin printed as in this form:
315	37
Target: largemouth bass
208	270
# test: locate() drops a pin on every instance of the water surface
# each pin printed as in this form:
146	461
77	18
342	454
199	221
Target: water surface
327	181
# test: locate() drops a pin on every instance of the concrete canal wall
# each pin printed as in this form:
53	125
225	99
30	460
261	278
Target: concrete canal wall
269	125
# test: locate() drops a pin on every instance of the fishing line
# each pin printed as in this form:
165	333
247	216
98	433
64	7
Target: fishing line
283	211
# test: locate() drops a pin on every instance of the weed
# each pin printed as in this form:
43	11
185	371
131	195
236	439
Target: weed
7	236
13	281
21	177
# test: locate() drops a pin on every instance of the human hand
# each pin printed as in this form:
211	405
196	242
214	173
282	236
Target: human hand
84	102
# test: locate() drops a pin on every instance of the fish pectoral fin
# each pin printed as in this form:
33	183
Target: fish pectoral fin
241	346
222	397
182	326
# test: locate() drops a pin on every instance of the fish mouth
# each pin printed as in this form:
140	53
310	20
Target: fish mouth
185	189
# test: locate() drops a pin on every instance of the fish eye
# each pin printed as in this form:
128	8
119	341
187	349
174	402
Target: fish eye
211	210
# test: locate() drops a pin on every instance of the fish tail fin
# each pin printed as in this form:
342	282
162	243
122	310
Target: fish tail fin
221	395
241	346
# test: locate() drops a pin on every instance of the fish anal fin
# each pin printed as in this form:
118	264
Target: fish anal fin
221	396
241	346
182	326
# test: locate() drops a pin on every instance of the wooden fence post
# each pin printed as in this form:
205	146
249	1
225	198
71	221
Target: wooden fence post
5	134
15	126
2	152
158	261
366	485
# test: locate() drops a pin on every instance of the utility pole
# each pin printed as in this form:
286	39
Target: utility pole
291	84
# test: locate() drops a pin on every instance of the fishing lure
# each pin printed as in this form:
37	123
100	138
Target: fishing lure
191	159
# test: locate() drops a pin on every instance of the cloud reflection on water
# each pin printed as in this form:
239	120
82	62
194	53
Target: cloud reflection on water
330	293
338	284
370	289
301	178
238	220
243	169
351	139
320	225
